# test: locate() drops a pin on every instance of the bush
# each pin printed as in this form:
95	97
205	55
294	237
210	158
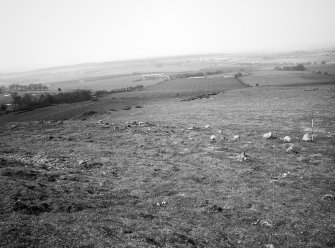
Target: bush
3	107
298	67
28	101
101	92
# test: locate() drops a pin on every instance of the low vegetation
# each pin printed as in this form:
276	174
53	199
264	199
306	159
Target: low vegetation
30	101
298	67
157	179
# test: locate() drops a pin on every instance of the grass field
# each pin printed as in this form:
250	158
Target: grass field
142	168
165	183
271	77
171	89
112	83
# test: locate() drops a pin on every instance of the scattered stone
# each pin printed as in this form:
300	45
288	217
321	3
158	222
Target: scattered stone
236	137
140	123
269	246
265	223
190	128
207	126
99	122
286	139
268	135
292	148
328	197
241	157
306	137
213	137
82	162
220	131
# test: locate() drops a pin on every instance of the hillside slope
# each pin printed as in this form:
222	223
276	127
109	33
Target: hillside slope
153	177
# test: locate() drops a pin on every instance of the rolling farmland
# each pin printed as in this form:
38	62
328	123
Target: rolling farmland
270	77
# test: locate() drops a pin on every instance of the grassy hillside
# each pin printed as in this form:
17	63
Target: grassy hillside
172	89
165	183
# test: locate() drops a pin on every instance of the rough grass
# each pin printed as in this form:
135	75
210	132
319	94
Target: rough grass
165	183
268	77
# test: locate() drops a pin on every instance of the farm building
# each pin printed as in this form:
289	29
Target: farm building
155	76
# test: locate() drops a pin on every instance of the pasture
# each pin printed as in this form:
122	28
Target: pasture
164	183
106	83
167	90
272	77
147	169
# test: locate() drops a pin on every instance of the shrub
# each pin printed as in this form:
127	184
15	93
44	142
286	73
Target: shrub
3	107
101	92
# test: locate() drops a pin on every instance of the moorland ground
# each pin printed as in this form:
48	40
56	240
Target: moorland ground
153	177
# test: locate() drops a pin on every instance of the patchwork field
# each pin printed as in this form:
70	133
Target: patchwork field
153	177
115	82
168	90
271	77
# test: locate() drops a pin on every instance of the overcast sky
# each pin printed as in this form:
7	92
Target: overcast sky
43	33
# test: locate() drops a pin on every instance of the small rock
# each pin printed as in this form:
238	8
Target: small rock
241	157
292	149
236	137
190	128
207	126
269	246
328	197
265	223
99	122
306	137
267	135
81	162
213	137
286	139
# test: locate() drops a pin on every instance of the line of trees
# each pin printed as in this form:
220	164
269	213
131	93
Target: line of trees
298	67
130	88
28	101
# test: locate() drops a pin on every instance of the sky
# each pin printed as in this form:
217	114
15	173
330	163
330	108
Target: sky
43	33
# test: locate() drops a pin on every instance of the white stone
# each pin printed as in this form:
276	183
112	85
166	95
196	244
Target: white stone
267	135
207	126
287	139
306	137
213	137
236	137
